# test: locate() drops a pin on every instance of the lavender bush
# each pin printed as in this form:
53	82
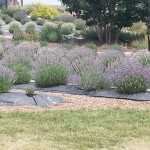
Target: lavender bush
7	77
51	75
93	80
142	56
109	56
129	76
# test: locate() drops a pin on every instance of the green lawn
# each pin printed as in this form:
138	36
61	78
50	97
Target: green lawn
75	130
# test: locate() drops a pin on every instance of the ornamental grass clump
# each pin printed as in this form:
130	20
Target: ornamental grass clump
51	75
128	76
7	77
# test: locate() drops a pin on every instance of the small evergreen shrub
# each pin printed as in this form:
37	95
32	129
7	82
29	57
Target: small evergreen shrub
4	17
34	17
24	21
31	37
14	27
93	47
80	24
51	75
43	43
8	20
30	28
67	28
50	34
40	22
18	35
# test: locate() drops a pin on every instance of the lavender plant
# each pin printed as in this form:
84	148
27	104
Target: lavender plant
93	80
129	76
142	56
7	78
51	75
108	56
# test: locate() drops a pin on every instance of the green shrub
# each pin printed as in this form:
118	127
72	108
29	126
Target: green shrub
67	46
139	44
114	47
13	27
130	37
77	33
4	85
9	11
8	20
93	47
67	28
18	42
34	17
22	73
30	28
131	84
50	34
24	21
51	75
18	35
93	81
43	43
80	24
90	33
31	37
4	17
40	22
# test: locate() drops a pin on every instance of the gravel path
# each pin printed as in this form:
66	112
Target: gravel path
75	102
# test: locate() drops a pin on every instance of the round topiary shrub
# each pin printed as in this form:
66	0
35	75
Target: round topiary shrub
8	20
51	75
7	78
24	21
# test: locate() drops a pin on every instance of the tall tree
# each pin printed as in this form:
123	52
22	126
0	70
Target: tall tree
109	16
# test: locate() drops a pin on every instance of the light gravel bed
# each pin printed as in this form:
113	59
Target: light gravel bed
75	102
